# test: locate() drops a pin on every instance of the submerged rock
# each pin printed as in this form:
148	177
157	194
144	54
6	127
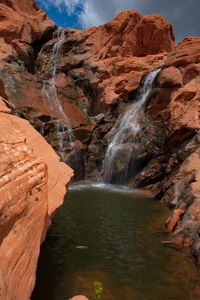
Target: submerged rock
80	297
81	247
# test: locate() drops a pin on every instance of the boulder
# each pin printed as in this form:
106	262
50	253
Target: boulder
79	298
154	34
129	33
22	24
170	77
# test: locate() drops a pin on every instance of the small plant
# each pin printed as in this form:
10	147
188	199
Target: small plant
98	288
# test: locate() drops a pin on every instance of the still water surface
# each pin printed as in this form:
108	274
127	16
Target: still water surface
123	232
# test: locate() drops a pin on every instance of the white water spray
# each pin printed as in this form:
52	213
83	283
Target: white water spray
52	102
123	148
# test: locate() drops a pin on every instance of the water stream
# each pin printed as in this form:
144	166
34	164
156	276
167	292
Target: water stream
126	141
112	235
106	233
52	103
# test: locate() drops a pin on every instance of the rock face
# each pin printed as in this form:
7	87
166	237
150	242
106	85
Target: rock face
173	174
22	25
32	180
98	74
32	187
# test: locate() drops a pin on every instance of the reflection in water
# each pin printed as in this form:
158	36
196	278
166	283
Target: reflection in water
120	230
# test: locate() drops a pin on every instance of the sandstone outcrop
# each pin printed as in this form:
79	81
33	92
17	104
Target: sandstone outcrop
22	25
97	79
173	175
98	73
32	186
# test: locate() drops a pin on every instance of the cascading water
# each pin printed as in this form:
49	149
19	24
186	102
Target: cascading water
121	155
52	103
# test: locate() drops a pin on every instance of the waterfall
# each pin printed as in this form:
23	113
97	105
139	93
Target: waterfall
121	155
53	104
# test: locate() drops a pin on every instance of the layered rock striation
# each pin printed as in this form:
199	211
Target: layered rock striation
98	78
172	175
98	74
32	179
32	186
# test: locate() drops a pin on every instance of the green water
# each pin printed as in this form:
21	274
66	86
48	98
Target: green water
123	231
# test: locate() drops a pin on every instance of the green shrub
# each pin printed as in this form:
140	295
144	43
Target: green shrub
98	288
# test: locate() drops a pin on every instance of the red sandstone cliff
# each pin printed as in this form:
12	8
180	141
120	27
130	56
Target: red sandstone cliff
97	79
22	24
99	75
32	179
99	71
32	186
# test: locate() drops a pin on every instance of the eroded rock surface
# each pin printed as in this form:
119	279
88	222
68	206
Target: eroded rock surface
173	175
98	73
32	186
22	25
97	79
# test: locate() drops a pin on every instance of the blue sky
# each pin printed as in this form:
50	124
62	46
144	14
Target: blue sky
60	15
183	14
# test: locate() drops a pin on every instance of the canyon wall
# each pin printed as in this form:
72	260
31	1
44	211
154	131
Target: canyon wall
97	78
32	179
32	186
97	74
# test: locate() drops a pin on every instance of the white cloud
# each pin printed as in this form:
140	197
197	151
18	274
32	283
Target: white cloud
183	14
69	5
95	13
72	4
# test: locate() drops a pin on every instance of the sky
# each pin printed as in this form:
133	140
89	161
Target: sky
184	15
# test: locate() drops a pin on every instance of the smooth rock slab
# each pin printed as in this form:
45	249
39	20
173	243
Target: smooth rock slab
79	298
32	186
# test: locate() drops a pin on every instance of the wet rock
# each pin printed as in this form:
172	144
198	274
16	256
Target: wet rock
98	73
98	76
174	219
83	133
81	247
80	297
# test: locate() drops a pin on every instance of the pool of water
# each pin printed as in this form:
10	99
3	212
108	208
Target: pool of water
112	235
